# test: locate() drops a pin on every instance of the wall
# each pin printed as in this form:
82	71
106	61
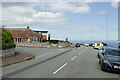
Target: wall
24	40
7	53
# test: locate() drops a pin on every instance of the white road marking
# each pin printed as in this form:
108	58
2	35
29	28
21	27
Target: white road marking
45	54
60	68
79	53
61	49
38	56
73	57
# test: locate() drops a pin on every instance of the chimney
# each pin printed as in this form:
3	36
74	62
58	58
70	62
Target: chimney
27	27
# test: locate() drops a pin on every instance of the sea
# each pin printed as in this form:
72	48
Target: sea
112	43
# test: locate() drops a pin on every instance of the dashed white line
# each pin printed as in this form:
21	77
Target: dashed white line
73	57
60	68
38	56
79	53
45	54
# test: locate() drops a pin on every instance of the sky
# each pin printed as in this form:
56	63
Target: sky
73	20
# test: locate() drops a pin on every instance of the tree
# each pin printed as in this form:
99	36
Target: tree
6	39
66	39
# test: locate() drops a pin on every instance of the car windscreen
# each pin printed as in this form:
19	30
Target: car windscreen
98	44
112	52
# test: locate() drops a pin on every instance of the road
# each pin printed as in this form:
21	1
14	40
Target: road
58	63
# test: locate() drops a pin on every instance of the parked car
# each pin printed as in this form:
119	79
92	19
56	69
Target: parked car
102	49
97	45
77	45
110	59
86	44
91	44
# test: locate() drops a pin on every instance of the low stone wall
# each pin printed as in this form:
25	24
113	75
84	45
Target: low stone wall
7	53
44	45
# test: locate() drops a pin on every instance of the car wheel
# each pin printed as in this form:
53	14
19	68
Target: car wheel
99	62
98	56
102	67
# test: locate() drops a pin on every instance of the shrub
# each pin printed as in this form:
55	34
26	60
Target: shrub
7	40
30	41
44	40
105	44
51	41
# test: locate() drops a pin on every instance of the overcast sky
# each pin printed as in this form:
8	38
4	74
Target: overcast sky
74	20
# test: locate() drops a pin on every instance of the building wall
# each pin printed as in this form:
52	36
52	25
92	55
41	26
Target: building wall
46	36
24	40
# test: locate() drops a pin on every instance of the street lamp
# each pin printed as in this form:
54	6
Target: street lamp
81	37
106	26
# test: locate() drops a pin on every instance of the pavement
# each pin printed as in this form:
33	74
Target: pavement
18	57
58	63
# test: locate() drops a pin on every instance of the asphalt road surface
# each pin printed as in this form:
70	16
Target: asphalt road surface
58	63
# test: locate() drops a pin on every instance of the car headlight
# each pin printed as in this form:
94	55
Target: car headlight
107	62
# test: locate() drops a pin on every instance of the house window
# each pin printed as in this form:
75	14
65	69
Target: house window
34	39
17	39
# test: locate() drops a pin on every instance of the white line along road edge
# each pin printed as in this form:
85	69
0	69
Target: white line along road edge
60	68
73	57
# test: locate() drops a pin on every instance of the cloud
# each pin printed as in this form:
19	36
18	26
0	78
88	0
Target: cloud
19	0
114	4
17	15
101	13
50	13
74	7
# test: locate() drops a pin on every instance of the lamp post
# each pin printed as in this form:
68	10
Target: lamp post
81	37
106	27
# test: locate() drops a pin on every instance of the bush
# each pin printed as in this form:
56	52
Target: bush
45	40
55	41
7	40
105	44
30	41
51	41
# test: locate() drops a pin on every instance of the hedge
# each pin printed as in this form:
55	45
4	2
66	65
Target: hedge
51	41
55	41
105	44
7	40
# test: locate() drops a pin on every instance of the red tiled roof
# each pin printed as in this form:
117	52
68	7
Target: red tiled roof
22	32
40	34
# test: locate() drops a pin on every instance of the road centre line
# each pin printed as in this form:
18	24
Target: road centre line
79	53
73	57
60	68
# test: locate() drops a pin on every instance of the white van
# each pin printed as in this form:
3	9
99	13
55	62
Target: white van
98	45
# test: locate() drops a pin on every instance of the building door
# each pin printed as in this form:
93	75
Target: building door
17	39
